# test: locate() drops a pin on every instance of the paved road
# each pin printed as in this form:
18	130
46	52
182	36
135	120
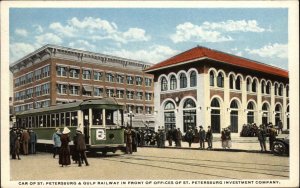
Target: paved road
154	163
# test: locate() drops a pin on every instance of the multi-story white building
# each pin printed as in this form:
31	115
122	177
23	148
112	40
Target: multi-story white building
206	87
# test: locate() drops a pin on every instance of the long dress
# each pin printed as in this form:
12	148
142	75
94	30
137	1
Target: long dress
64	154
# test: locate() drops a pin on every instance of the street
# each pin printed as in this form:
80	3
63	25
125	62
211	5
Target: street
155	163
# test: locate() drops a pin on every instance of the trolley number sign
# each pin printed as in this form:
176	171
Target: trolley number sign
100	134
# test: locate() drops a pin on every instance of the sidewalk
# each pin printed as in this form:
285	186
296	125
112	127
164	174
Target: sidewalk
239	144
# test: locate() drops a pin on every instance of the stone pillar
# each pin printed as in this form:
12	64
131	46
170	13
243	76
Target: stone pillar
258	114
284	112
201	100
272	105
225	114
158	112
243	111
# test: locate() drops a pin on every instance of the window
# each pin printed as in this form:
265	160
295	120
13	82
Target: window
74	90
193	79
139	110
38	90
86	74
164	84
110	92
87	90
98	91
280	90
74	73
120	94
183	80
238	83
287	91
254	86
148	82
173	82
248	82
220	80
276	89
169	106
120	79
61	88
130	94
148	96
61	71
17	82
139	80
46	88
231	80
37	74
189	114
263	86
139	95
148	110
129	80
109	77
97	75
29	77
211	78
130	108
46	71
268	88
29	93
189	103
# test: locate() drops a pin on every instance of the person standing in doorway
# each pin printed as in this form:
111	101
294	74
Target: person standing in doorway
202	137
56	141
209	137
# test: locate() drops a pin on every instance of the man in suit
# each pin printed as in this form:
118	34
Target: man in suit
209	137
128	138
178	137
80	147
189	136
202	137
170	136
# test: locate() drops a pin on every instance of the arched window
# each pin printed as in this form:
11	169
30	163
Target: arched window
268	88
231	80
287	91
238	83
169	114
183	80
266	114
164	84
173	82
215	119
280	90
234	116
254	85
169	106
263	86
250	112
189	103
211	78
278	114
248	84
220	80
276	89
193	79
189	114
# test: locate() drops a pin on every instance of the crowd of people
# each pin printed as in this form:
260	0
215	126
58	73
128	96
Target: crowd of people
22	141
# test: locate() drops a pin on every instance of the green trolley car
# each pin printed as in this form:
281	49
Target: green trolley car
101	120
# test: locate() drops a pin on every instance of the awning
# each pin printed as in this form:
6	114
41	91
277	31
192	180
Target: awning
88	88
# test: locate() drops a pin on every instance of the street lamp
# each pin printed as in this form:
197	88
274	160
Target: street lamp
130	115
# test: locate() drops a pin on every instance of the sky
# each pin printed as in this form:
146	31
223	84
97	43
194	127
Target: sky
153	34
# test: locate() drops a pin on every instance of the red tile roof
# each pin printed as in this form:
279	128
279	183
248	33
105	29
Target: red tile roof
202	52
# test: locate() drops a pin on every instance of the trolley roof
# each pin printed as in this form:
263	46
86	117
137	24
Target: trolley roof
104	103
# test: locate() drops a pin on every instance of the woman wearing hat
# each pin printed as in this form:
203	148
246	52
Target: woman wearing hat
64	155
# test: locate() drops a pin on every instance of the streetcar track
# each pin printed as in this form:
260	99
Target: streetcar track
207	166
197	164
213	161
129	162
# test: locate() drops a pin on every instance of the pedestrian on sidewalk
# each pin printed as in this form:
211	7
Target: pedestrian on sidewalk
228	137
189	136
261	134
25	140
178	137
17	147
209	138
13	137
56	141
81	147
280	126
272	136
170	136
163	137
64	153
33	140
128	138
223	138
202	137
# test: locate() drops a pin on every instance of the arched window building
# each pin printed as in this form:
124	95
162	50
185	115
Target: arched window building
221	90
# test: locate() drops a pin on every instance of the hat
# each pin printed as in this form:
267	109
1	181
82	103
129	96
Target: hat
208	127
201	127
78	130
66	130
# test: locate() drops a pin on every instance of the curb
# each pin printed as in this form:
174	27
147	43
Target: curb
214	149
